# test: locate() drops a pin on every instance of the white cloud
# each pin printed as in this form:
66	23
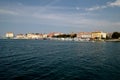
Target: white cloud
96	8
4	11
116	3
109	4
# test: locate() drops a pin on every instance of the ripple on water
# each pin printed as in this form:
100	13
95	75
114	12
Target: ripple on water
58	60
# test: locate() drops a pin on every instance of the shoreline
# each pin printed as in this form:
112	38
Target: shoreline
113	40
66	39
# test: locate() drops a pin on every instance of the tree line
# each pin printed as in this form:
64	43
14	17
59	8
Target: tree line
66	36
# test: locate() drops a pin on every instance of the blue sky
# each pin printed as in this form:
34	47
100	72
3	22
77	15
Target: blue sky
44	16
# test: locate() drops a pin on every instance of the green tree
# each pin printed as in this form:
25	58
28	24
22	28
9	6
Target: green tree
115	35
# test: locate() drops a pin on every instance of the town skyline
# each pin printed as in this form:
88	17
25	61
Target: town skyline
80	36
45	16
53	32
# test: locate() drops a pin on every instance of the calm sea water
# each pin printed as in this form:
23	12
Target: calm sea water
59	60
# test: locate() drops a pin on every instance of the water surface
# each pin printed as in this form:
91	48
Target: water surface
59	60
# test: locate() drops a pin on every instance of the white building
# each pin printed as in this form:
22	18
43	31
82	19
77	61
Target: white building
84	35
34	36
20	36
103	35
9	35
45	35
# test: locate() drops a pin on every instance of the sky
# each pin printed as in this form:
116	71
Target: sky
44	16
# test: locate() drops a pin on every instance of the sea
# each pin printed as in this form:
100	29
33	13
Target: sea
59	60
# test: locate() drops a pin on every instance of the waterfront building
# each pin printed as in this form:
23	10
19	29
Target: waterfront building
37	36
34	36
29	35
45	35
84	35
20	36
98	35
50	35
109	35
103	35
9	35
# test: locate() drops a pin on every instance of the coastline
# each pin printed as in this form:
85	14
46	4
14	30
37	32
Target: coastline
73	39
113	40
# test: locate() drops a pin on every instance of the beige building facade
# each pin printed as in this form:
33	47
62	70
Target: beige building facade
98	35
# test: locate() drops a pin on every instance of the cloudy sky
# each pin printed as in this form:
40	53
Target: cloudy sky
44	16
